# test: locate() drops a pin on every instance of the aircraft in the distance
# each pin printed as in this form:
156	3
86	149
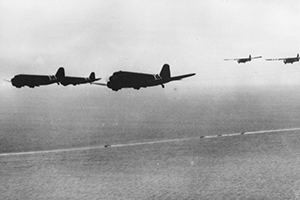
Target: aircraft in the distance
286	60
32	81
124	79
244	60
67	80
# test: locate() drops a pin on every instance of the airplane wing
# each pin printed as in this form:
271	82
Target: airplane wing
177	78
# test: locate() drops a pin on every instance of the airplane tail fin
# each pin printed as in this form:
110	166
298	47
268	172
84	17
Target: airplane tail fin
297	55
250	57
92	76
60	73
165	72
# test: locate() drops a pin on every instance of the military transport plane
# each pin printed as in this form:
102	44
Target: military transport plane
31	81
286	60
124	79
243	60
67	80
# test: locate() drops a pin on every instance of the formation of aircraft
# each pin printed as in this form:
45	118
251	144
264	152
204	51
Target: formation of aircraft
119	80
243	60
125	79
32	81
286	60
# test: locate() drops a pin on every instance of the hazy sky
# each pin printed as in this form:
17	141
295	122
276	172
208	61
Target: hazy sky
141	35
38	36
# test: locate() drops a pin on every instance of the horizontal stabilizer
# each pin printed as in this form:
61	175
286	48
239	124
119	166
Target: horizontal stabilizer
176	78
256	57
102	84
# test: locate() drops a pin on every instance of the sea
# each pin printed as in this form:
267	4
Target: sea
42	120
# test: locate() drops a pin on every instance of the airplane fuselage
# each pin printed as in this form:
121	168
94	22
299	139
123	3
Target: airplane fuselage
123	80
243	60
75	80
291	60
33	80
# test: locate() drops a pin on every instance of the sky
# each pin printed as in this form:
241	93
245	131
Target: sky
37	37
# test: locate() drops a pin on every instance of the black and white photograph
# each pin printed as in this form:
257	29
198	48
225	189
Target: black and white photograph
149	99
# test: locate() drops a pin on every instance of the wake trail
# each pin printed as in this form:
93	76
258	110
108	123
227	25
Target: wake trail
147	142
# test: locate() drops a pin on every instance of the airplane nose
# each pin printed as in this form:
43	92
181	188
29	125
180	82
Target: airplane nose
13	81
111	78
109	84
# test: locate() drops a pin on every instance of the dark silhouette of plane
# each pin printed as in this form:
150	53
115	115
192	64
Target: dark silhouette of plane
286	60
124	79
243	60
67	80
32	81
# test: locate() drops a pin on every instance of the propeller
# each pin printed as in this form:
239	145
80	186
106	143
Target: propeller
7	80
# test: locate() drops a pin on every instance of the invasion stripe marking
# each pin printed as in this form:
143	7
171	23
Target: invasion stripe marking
147	142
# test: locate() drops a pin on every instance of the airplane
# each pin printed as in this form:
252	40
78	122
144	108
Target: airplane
244	60
125	79
67	80
286	60
32	81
